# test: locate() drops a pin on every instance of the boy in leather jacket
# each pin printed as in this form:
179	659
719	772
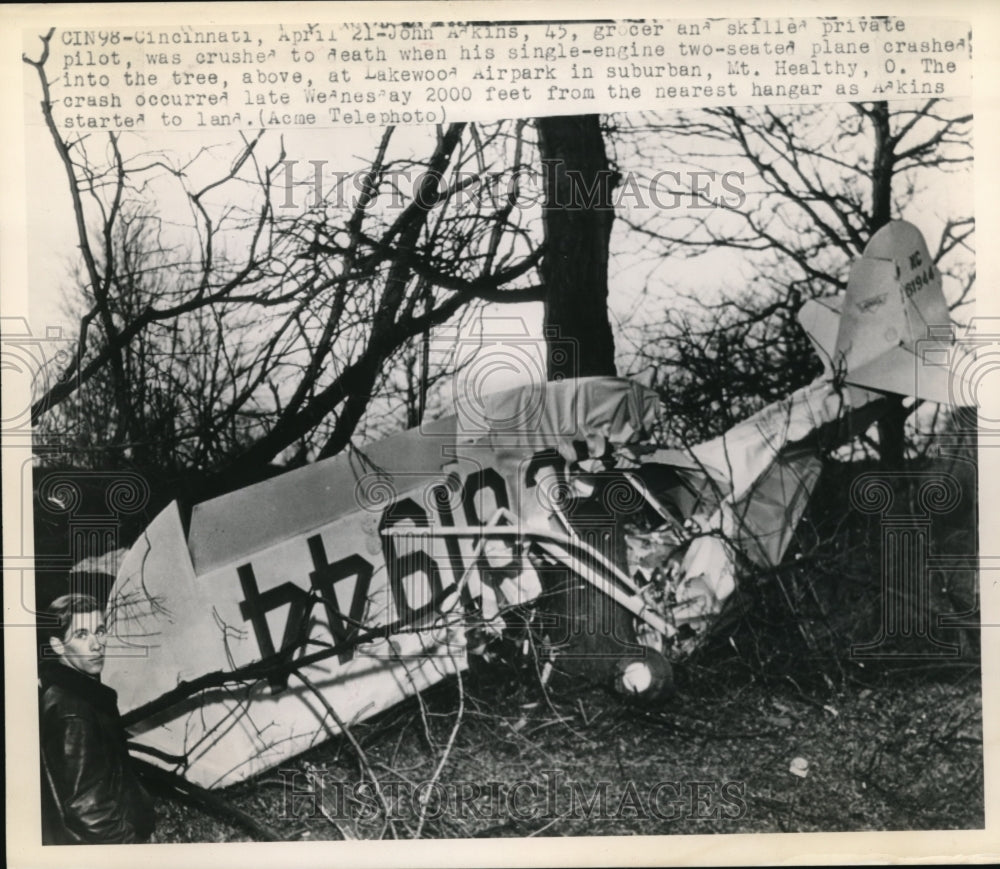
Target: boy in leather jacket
90	793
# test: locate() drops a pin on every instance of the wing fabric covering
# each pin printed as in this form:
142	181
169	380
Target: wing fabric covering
174	625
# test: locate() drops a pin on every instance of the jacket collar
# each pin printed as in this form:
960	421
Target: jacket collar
88	688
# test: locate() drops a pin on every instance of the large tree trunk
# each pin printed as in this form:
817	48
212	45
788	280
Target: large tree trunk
577	220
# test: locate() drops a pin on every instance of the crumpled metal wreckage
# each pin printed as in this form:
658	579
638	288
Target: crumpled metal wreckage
246	632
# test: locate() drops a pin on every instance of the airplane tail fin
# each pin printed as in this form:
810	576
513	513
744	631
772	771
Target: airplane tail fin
891	331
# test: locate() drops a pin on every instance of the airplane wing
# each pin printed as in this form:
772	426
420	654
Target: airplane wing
170	623
389	538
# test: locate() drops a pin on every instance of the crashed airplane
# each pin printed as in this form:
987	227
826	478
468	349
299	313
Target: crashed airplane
249	628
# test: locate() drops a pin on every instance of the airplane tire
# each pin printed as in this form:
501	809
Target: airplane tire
647	677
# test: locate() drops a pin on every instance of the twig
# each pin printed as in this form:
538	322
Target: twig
344	833
280	664
541	830
444	756
362	757
211	802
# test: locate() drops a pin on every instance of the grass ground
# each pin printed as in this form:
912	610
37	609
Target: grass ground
901	752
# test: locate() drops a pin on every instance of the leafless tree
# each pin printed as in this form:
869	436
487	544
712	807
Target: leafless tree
803	189
244	334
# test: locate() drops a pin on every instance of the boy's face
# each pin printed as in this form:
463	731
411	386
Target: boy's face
82	646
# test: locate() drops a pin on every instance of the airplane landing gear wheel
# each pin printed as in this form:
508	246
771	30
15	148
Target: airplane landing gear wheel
647	677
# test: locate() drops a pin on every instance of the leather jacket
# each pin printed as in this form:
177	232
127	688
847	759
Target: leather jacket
90	793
